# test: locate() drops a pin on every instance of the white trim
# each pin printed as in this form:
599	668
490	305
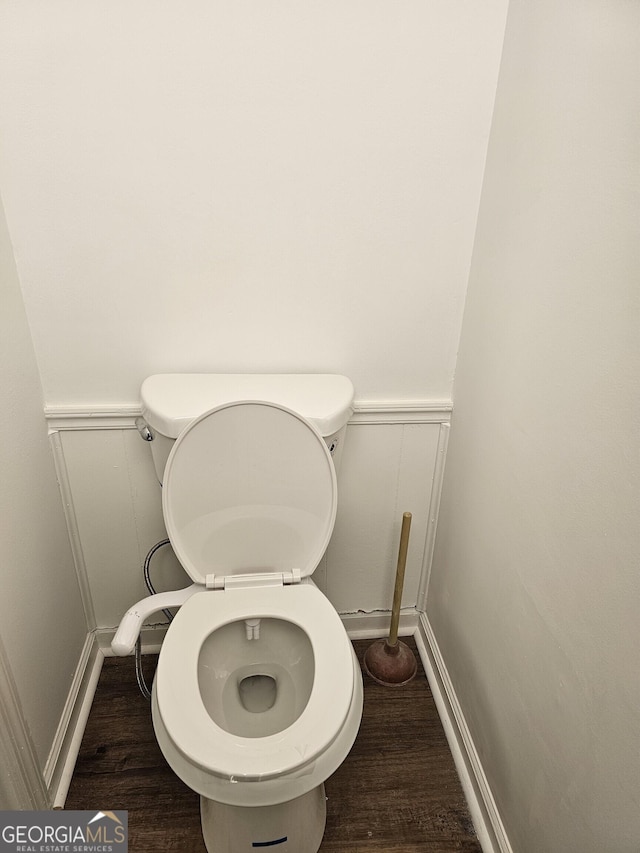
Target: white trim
370	626
91	417
434	510
64	751
359	626
484	812
66	494
22	778
401	412
364	412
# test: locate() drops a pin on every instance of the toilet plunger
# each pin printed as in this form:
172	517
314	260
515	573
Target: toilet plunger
391	662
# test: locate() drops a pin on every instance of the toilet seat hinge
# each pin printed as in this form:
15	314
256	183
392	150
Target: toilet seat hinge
253	580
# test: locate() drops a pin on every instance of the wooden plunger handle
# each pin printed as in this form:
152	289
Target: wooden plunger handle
397	593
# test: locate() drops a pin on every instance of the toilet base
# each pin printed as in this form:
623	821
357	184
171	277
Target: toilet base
296	826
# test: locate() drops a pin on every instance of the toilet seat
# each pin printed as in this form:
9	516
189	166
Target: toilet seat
187	722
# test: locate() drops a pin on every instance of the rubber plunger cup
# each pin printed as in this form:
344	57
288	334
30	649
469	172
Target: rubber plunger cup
391	662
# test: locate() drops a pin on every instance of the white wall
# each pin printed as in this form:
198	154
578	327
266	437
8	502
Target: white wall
245	186
535	587
42	622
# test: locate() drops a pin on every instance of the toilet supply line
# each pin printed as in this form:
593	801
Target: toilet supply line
147	571
140	679
129	631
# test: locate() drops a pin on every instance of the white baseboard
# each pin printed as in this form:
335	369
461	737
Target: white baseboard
359	626
370	626
66	744
484	812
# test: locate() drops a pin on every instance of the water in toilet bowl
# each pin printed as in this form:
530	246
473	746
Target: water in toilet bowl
258	692
256	687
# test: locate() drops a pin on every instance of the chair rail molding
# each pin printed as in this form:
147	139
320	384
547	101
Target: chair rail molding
123	416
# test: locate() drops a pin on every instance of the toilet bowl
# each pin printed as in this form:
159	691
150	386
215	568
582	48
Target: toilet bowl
245	757
257	696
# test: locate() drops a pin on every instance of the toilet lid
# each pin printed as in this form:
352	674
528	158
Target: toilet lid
249	488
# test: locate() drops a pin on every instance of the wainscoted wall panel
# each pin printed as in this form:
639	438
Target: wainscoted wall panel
386	469
390	459
117	503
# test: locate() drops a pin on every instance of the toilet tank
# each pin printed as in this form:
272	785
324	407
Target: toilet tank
170	401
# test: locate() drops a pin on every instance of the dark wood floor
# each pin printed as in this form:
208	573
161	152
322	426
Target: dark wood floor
396	792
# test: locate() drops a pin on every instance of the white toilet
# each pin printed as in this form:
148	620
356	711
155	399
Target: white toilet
257	697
